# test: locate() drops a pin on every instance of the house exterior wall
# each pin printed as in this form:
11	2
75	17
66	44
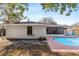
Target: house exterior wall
39	31
20	31
2	26
13	31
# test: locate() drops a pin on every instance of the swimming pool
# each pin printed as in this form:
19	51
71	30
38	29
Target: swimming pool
71	41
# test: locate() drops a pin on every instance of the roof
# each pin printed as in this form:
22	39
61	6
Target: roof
36	23
29	22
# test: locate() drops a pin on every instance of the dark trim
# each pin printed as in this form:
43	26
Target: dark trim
29	30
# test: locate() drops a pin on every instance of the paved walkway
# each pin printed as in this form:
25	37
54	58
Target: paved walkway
4	42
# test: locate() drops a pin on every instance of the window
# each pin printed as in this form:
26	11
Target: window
55	30
29	30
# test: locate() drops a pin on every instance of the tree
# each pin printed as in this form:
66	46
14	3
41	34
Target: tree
62	8
48	20
13	12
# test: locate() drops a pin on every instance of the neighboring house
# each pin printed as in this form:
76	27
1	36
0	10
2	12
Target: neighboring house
76	28
32	30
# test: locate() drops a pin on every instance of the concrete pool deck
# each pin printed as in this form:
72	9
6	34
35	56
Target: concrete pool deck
58	47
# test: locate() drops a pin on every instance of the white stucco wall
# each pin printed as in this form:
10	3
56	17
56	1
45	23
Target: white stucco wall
2	26
20	31
13	31
39	31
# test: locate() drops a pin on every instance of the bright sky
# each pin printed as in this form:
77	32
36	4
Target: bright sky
36	12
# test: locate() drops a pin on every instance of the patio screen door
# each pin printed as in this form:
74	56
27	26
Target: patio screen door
55	30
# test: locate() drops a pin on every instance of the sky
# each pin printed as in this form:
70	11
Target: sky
35	13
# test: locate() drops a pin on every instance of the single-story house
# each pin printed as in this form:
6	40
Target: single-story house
31	30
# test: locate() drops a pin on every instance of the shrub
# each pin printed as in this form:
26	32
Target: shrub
41	38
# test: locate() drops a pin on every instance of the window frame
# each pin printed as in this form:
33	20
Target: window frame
29	30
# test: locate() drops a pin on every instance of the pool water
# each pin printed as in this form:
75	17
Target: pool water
68	41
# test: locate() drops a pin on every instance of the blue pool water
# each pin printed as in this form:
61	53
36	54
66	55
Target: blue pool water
68	41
